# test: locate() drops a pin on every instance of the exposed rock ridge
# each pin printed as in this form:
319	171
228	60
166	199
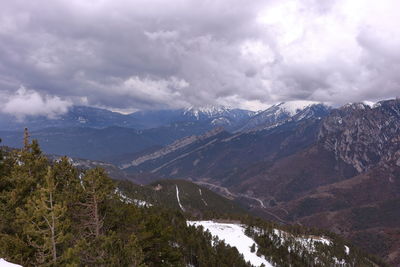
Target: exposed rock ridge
173	147
282	113
363	136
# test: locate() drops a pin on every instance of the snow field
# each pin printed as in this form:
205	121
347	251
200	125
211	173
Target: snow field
4	263
233	235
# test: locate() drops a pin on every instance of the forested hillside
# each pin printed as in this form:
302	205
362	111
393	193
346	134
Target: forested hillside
53	215
56	215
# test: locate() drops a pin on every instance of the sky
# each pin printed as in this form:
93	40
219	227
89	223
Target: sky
128	55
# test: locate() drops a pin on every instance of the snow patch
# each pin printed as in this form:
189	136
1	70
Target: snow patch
293	107
233	235
209	111
4	263
369	103
339	262
220	121
82	120
347	250
177	197
308	242
128	200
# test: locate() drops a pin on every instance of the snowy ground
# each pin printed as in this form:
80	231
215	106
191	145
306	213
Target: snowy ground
128	200
308	243
4	263
233	235
177	197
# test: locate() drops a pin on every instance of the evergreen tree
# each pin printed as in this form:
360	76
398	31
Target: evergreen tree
66	218
23	172
44	221
97	189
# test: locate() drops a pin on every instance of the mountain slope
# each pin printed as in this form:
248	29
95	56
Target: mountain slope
316	246
223	155
101	226
183	195
77	116
82	116
113	144
212	115
280	113
99	134
342	169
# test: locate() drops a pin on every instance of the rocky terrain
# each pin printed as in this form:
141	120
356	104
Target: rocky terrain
294	163
340	171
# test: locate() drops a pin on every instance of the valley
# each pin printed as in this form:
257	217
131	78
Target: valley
184	133
297	164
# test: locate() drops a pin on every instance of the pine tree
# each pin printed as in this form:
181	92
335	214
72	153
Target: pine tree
44	221
67	181
26	139
97	188
23	172
253	248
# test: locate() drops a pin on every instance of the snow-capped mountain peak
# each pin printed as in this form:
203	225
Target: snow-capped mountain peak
209	111
293	107
284	111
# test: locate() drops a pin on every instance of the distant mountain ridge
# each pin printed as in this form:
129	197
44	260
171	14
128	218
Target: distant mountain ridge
83	116
341	168
98	134
303	163
280	113
77	116
230	118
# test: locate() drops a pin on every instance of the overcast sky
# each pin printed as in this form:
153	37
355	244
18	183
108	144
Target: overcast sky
151	54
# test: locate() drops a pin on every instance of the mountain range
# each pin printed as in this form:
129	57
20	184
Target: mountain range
299	162
118	223
99	134
339	170
90	117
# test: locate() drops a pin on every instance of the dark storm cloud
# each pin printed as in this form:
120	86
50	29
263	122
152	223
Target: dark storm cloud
154	54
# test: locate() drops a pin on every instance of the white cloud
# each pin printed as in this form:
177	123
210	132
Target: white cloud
29	102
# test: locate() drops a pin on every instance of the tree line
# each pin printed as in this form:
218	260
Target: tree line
53	214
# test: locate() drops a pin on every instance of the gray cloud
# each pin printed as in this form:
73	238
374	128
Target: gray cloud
152	54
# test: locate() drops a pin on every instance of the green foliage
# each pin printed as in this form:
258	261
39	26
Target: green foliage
54	215
292	245
43	221
199	202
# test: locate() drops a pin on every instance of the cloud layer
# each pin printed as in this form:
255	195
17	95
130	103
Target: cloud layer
152	54
30	103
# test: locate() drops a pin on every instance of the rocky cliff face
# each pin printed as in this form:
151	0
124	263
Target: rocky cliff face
364	136
340	172
285	112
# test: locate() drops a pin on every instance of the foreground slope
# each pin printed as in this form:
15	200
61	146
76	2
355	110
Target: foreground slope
54	214
234	235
